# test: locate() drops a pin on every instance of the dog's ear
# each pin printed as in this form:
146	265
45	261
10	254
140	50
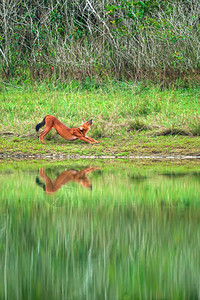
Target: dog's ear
89	122
81	128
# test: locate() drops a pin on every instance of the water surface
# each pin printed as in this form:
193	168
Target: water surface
105	231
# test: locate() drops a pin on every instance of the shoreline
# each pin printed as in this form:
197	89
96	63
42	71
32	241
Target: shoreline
137	146
6	156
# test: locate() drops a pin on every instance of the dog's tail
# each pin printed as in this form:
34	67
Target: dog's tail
38	126
40	183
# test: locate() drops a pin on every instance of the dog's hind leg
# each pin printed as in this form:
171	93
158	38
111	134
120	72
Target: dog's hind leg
44	132
49	126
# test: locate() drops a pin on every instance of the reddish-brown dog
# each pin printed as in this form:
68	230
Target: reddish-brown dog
67	133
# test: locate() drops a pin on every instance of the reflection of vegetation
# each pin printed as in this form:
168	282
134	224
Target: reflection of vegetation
172	174
138	177
137	182
80	253
117	239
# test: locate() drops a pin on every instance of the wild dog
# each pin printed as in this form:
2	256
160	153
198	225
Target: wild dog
67	133
63	178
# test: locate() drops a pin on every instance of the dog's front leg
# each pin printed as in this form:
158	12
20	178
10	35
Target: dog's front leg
83	138
92	140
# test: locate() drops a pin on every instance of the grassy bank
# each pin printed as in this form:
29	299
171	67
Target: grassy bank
128	119
134	144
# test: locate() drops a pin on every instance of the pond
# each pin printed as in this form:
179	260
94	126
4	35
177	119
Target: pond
99	230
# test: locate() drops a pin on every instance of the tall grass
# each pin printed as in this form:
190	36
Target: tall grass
115	108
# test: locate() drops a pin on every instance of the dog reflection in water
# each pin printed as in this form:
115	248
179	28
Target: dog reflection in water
63	178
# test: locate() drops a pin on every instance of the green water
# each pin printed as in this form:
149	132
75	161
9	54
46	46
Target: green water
99	231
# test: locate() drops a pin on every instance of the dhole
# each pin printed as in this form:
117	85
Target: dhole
70	175
67	133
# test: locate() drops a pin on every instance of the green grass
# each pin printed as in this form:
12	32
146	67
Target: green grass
124	116
114	108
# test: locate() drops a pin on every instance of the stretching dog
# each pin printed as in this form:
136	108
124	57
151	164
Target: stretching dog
67	133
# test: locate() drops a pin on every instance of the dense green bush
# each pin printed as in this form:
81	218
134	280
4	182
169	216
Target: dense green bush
60	39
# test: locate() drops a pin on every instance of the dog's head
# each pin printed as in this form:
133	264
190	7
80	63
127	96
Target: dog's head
86	127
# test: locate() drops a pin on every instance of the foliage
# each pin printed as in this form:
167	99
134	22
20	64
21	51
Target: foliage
58	40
